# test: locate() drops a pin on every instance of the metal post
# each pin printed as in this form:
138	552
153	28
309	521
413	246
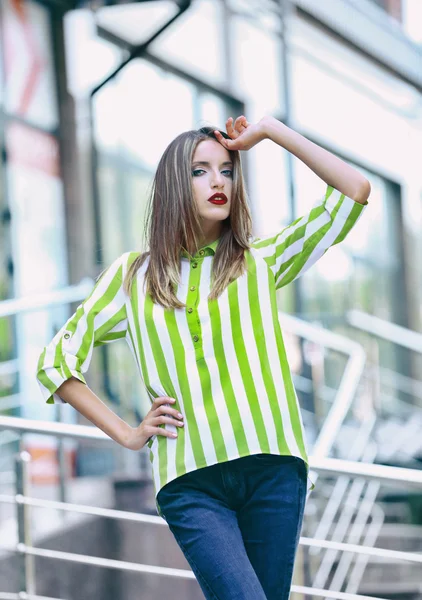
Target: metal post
26	566
62	464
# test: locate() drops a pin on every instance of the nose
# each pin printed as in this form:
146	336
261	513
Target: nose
217	180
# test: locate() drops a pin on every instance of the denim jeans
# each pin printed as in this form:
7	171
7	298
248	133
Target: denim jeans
238	524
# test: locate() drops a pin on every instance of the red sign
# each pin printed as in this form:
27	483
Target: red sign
32	148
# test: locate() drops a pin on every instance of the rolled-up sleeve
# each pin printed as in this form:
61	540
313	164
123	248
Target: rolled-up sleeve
100	319
292	251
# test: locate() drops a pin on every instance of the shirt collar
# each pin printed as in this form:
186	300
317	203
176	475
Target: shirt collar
208	250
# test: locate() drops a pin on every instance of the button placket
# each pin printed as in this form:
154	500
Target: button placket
192	301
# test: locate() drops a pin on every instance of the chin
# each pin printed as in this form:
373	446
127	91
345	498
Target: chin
216	213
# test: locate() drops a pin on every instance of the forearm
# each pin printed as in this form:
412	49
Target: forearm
327	166
83	399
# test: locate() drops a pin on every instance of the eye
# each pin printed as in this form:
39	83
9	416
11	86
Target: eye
229	171
196	172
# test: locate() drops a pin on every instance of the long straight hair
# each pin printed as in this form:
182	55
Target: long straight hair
173	223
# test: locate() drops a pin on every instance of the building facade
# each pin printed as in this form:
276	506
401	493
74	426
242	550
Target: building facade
78	161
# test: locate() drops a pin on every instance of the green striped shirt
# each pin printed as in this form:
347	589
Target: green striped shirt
224	360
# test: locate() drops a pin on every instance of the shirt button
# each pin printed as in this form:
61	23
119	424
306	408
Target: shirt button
194	265
192	288
190	310
195	338
66	336
201	253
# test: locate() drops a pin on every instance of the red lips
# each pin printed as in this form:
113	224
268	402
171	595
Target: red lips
218	198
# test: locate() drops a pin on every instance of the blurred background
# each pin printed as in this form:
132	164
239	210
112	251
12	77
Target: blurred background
91	93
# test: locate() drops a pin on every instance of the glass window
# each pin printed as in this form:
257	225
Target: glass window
38	241
30	85
412	19
128	112
257	65
213	111
124	194
194	42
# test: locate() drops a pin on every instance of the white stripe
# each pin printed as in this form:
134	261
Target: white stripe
253	360
295	249
154	379
203	311
324	244
135	348
193	375
217	394
72	345
165	341
272	350
235	373
180	317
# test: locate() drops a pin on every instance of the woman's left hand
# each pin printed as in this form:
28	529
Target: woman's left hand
243	135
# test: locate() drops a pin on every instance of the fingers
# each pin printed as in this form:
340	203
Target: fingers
160	407
166	410
222	140
163	419
234	130
162	400
229	127
241	123
161	413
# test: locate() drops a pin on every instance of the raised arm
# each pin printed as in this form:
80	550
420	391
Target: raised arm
331	169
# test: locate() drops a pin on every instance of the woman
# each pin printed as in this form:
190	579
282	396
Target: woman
199	313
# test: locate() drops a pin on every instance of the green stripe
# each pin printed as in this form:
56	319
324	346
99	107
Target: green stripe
188	410
101	335
96	309
43	377
350	222
205	379
245	368
287	379
259	335
300	260
140	346
225	381
164	376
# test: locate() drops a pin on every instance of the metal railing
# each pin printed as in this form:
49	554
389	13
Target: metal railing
386	330
349	382
26	551
342	401
16	306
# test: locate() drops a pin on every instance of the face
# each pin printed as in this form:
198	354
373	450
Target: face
212	173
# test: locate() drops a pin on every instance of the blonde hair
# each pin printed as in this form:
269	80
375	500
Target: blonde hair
173	223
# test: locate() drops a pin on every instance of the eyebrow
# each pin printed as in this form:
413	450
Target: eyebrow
207	164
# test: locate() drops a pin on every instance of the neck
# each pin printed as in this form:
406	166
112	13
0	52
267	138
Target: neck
210	234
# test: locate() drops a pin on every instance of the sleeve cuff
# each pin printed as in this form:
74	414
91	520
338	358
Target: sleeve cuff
49	393
346	206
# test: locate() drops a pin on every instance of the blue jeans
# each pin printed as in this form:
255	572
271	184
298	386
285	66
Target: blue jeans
238	524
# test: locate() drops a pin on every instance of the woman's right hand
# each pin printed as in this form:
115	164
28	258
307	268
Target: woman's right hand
158	413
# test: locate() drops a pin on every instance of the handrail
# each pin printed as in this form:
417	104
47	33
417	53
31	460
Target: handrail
340	487
332	466
26	550
121	515
166	571
351	501
65	295
385	330
24	596
348	384
356	575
